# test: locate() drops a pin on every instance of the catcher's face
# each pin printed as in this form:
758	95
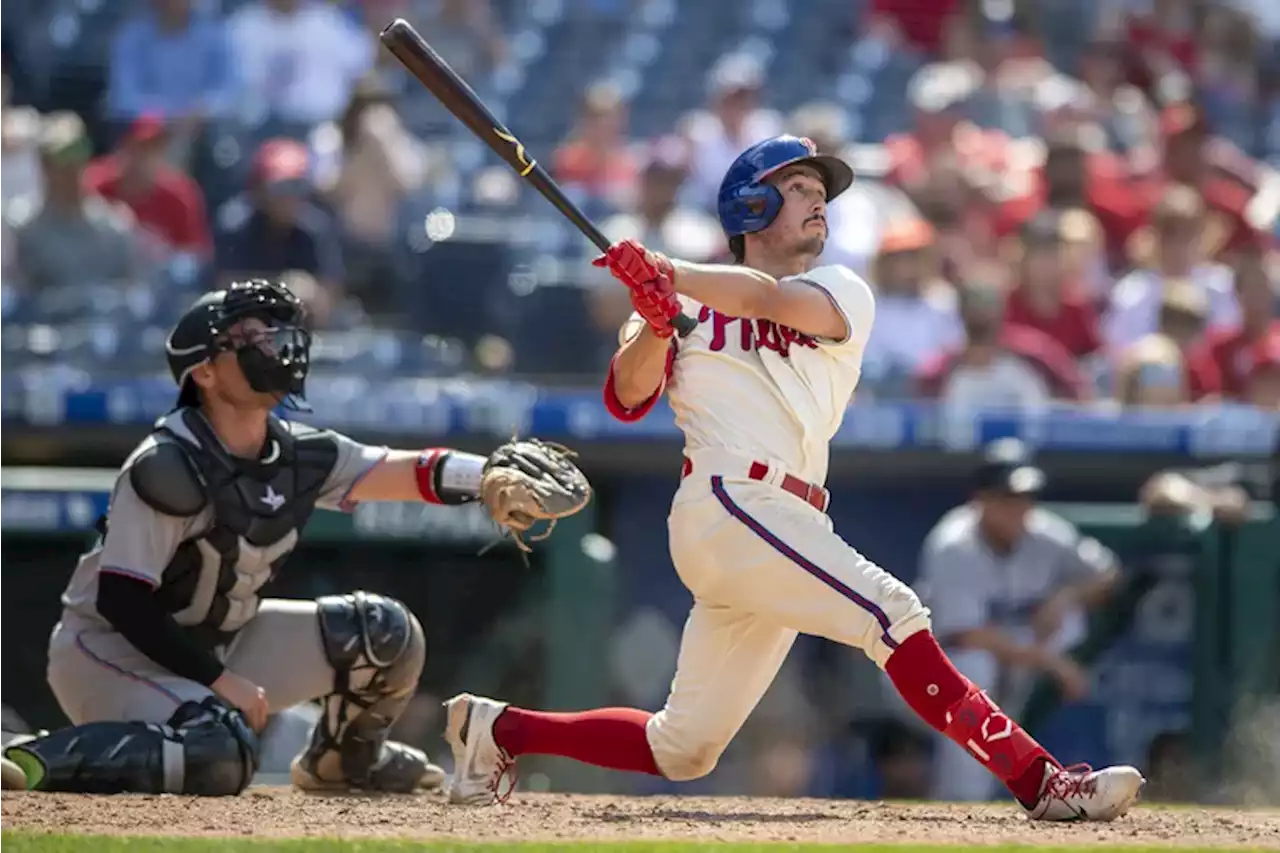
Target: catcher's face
222	378
800	228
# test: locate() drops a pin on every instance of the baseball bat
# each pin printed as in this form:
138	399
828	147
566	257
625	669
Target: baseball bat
452	91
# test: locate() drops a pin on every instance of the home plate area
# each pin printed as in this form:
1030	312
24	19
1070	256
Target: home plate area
275	812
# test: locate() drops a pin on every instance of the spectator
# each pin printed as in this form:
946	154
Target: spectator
1084	257
733	121
1008	583
1152	374
1178	228
380	165
1115	105
167	203
1262	377
660	222
298	60
72	239
935	93
1077	174
595	158
172	60
19	146
279	229
1179	334
1218	172
1043	297
918	25
1227	347
917	318
998	365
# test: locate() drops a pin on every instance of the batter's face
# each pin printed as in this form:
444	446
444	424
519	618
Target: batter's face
222	380
800	228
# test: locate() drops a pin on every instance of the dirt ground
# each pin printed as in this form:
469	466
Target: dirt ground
561	817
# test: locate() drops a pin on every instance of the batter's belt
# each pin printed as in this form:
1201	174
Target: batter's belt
726	464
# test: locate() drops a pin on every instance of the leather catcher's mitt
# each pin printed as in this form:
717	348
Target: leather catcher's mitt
528	480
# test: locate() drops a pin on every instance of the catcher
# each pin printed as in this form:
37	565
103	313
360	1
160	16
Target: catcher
168	661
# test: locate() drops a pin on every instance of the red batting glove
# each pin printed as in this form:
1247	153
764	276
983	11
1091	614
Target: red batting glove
655	300
633	264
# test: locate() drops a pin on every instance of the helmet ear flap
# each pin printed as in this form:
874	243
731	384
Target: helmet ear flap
753	207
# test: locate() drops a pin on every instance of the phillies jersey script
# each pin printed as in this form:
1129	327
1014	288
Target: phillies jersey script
767	391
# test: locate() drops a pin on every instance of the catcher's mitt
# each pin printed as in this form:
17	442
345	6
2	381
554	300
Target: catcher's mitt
526	481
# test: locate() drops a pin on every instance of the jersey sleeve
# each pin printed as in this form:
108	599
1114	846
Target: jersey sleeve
957	601
852	297
353	464
140	541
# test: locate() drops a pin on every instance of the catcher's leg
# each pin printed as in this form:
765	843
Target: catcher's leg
727	660
204	749
363	653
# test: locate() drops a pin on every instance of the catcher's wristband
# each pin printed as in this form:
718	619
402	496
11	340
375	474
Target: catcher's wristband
447	476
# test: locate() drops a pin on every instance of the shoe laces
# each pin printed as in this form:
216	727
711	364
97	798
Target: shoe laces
505	771
1074	781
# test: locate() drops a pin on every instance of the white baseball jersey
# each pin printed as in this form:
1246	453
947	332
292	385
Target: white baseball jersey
767	391
763	564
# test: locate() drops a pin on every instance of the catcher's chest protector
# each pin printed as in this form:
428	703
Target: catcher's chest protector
258	510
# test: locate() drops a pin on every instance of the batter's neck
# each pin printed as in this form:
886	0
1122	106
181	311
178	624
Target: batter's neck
780	267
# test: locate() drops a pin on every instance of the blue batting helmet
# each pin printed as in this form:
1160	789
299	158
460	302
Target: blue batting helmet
747	203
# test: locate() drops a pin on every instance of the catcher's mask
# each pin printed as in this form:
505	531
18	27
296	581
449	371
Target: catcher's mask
274	361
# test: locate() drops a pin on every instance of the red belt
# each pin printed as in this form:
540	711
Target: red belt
815	496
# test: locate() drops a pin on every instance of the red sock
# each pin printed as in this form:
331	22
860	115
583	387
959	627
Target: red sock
606	737
950	703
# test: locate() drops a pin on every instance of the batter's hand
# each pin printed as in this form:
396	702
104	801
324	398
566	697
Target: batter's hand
245	695
655	300
633	265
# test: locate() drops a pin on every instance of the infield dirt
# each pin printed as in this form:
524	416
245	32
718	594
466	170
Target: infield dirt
280	812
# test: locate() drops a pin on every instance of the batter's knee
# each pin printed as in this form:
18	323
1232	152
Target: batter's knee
906	615
373	642
683	752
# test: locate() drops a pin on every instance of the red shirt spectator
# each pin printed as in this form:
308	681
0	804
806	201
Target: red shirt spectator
1041	353
166	202
921	22
1043	299
1227	350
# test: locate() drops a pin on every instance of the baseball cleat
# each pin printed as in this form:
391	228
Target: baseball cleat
1081	793
401	769
479	764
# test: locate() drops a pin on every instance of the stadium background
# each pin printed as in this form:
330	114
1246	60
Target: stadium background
452	306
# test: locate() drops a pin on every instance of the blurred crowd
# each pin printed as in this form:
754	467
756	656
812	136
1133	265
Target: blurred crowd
1058	200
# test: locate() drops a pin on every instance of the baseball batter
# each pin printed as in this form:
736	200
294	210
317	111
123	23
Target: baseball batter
167	659
759	389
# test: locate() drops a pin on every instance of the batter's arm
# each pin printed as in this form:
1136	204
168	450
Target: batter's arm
743	292
637	373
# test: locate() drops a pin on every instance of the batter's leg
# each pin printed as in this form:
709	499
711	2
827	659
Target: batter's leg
136	727
776	554
727	661
362	654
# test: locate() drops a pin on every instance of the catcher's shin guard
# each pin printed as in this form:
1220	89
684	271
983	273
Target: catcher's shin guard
377	648
205	749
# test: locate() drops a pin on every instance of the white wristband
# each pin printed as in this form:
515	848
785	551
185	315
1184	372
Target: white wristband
460	474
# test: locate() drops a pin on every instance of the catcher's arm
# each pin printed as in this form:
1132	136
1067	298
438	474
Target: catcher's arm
521	483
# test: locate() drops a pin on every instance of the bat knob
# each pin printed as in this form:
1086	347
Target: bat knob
684	324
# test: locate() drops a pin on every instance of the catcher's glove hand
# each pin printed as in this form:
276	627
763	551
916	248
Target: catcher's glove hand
526	481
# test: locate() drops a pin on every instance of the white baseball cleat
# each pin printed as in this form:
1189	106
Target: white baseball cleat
1081	793
479	764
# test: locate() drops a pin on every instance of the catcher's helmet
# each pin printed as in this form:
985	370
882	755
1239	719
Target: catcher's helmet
275	364
747	203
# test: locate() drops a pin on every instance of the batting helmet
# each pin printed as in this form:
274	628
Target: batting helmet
277	364
747	203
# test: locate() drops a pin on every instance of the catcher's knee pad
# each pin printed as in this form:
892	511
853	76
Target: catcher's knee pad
377	648
685	750
205	749
375	644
